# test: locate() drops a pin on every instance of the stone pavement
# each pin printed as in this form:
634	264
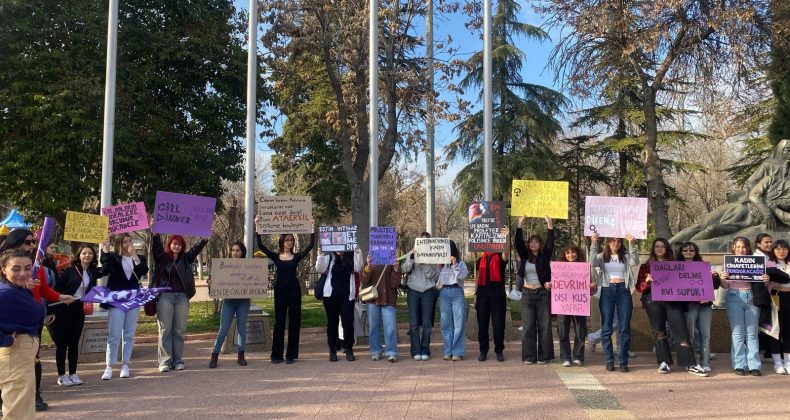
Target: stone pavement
314	388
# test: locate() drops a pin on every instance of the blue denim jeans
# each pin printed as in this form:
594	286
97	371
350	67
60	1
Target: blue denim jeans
421	308
616	298
172	310
452	307
120	324
230	307
378	314
698	320
744	317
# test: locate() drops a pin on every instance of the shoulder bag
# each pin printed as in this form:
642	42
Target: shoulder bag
372	292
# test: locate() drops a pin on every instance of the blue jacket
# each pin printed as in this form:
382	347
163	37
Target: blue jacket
19	313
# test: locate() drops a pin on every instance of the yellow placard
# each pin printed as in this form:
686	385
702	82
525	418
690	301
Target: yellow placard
84	227
532	198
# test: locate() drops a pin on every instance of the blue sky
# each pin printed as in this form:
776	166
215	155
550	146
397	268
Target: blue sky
534	70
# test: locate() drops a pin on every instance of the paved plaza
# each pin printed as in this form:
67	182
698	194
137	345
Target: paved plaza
314	388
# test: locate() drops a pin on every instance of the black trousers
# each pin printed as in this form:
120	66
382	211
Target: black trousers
580	333
66	331
491	308
659	314
286	303
783	344
536	342
337	309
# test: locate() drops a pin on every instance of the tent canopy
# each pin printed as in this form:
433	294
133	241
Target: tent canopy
14	220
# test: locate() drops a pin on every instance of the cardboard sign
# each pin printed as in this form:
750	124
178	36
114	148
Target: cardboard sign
338	238
539	199
238	278
570	288
183	214
432	251
124	218
688	281
486	220
84	227
615	217
383	240
287	214
744	267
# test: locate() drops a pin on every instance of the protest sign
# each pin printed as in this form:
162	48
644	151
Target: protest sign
432	251
689	281
486	220
382	244
124	218
570	288
239	278
539	199
615	217
286	214
744	267
84	227
338	238
183	214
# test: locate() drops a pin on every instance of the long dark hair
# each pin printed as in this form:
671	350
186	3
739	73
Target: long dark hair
679	252
531	257
607	251
75	262
745	242
781	243
14	239
454	251
573	247
668	253
281	242
241	247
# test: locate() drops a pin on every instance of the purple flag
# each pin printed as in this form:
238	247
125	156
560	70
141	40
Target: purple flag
43	241
124	300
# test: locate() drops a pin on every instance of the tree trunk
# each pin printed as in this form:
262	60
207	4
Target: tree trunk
622	158
656	191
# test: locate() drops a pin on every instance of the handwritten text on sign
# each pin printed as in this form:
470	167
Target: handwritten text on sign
570	288
129	217
540	199
338	238
382	244
486	220
83	227
432	251
233	278
744	267
183	214
689	281
292	214
615	217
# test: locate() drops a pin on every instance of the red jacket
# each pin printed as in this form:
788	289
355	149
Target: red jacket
43	289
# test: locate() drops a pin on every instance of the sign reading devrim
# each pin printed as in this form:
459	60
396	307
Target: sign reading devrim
539	199
287	214
570	288
486	220
237	278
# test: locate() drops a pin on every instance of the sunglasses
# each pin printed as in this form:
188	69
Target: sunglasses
29	242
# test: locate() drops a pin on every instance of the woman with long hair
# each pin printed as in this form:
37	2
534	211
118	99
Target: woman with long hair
490	301
287	294
661	312
744	300
173	269
381	311
421	301
339	295
780	285
452	307
240	308
125	268
699	315
575	357
614	276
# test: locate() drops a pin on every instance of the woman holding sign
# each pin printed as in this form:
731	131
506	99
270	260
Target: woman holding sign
125	269
381	310
421	300
744	299
537	344
613	269
173	269
490	302
660	312
572	253
453	306
339	294
780	256
287	294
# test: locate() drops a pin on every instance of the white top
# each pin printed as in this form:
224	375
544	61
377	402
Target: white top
615	268
86	279
128	266
531	274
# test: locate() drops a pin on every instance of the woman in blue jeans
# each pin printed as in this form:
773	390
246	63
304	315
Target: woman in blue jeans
381	311
230	307
421	300
613	269
452	306
743	309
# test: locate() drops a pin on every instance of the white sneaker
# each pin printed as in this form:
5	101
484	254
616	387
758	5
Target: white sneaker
566	363
591	347
375	357
107	374
697	371
663	368
780	369
707	369
180	366
712	356
425	357
418	357
164	368
76	380
64	380
125	371
787	367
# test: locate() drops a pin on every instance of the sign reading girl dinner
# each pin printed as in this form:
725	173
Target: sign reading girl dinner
183	214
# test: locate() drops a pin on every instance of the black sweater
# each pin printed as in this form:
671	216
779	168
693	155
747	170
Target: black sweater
542	260
285	277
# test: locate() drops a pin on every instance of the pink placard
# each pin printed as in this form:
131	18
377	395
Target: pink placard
570	288
686	281
615	217
128	217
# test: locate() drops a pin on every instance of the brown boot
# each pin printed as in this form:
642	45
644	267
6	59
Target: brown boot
213	363
241	360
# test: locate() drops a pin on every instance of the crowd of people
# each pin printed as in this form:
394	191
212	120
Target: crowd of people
52	296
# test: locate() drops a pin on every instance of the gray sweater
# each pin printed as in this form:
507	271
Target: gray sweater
421	276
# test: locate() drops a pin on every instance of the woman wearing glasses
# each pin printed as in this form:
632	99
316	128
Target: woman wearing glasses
699	314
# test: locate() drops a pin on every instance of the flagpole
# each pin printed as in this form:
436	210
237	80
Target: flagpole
109	106
487	103
249	188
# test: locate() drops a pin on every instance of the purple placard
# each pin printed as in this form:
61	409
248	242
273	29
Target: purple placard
382	244
687	281
129	217
570	288
183	214
615	217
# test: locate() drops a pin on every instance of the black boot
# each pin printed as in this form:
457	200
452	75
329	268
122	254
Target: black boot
41	405
214	358
332	355
350	355
241	360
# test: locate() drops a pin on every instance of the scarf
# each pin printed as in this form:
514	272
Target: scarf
489	263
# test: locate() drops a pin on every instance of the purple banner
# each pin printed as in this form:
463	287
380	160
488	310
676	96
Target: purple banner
382	244
125	300
183	214
688	281
43	241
